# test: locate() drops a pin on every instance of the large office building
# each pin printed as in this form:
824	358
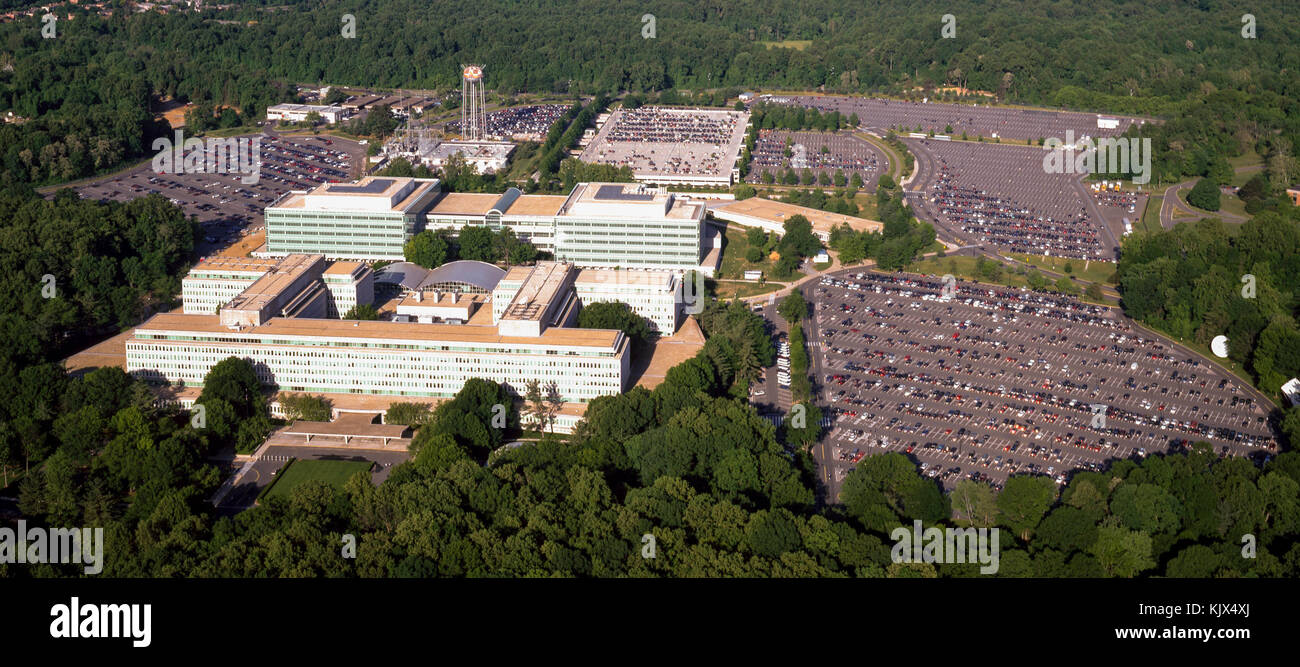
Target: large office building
368	220
609	225
222	283
280	324
654	295
213	282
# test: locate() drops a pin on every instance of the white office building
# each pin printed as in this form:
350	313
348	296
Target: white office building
275	324
297	113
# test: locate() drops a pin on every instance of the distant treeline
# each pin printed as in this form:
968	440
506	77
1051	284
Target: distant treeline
86	94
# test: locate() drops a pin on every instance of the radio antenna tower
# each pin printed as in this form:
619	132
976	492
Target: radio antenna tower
473	121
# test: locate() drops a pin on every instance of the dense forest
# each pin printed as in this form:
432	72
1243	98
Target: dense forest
1200	280
87	93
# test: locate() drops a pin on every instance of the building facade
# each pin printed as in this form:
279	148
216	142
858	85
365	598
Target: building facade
381	358
612	225
368	220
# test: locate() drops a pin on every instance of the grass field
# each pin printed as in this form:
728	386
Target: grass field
1248	159
1150	220
739	289
300	471
1097	272
1227	204
963	267
734	264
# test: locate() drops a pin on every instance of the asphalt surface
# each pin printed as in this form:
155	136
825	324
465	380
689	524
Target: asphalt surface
1173	205
224	205
1007	383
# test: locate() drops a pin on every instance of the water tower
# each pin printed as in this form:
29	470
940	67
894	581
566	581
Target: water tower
473	120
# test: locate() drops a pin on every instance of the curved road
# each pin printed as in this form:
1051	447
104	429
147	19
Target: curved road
1173	205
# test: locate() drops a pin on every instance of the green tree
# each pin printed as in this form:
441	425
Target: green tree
361	311
1204	195
1023	502
615	315
1122	552
793	307
408	414
475	242
428	249
306	407
974	502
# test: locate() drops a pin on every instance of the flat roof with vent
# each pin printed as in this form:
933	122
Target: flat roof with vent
623	193
373	187
539	290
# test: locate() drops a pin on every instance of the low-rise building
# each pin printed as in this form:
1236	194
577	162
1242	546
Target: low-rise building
297	113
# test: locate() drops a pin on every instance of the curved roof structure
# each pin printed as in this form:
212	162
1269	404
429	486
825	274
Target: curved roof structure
478	274
407	274
507	198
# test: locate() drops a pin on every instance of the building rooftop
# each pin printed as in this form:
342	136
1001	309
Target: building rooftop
628	200
271	285
464	203
613	277
478	274
779	212
245	264
344	268
369	193
445	300
540	289
469	203
408	274
545	205
346	330
474	150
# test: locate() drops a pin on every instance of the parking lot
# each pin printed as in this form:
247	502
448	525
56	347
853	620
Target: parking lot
987	121
819	152
226	206
1001	195
992	382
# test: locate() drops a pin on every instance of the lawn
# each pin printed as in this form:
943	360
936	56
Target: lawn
734	264
1097	272
1227	204
739	289
300	471
1248	159
1150	220
963	267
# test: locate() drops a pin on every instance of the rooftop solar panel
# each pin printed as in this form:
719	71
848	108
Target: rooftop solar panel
618	193
374	187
